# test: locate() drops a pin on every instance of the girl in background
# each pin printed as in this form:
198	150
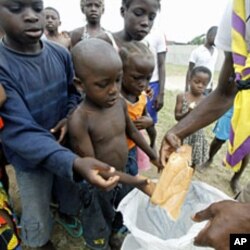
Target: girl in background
185	103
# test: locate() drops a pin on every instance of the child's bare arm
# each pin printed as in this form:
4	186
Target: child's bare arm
178	108
134	134
145	121
79	138
150	129
142	183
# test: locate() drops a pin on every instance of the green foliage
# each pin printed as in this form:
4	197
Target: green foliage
198	40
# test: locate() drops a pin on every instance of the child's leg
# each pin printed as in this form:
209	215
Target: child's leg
68	196
96	216
35	193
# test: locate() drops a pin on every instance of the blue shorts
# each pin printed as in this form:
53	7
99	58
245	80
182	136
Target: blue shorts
222	126
132	166
155	86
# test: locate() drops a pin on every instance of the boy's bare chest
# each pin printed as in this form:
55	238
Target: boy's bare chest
107	125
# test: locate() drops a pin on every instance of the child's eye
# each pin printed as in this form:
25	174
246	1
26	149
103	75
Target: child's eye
38	7
138	12
152	17
15	8
102	84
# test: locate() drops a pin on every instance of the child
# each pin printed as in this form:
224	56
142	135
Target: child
37	77
52	22
138	17
138	65
93	10
199	78
98	128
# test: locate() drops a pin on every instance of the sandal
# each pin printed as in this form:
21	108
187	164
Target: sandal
74	229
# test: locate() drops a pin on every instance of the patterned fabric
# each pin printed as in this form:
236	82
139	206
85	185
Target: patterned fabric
239	140
8	237
197	140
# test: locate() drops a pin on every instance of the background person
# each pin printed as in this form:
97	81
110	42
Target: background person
204	55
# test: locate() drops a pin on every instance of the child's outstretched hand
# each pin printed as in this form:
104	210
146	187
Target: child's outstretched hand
92	170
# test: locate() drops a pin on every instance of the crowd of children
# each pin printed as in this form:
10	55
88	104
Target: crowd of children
72	107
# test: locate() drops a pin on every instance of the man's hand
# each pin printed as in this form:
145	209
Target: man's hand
169	144
91	170
60	130
223	217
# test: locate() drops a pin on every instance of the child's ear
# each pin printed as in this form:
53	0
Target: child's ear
78	84
122	10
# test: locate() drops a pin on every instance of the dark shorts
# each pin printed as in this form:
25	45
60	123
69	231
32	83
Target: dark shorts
98	214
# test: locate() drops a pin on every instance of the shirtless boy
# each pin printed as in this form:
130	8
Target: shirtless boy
98	128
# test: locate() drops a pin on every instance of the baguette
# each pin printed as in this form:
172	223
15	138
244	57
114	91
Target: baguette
172	187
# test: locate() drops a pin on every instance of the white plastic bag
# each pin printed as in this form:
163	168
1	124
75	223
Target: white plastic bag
152	229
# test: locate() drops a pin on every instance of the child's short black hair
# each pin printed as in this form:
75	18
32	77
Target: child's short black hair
202	69
134	47
53	9
126	3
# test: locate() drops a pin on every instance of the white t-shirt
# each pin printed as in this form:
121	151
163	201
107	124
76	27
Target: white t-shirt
201	56
223	37
157	44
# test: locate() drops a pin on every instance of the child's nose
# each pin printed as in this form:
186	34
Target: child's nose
114	88
30	15
145	21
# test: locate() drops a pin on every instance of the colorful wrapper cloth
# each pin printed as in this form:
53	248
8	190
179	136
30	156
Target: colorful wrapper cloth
239	141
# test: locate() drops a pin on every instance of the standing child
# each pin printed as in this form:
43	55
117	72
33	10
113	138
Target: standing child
98	128
185	103
52	23
93	10
139	16
138	65
37	77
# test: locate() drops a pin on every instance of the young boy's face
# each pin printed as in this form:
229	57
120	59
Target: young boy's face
137	72
139	18
93	10
52	21
102	81
22	21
